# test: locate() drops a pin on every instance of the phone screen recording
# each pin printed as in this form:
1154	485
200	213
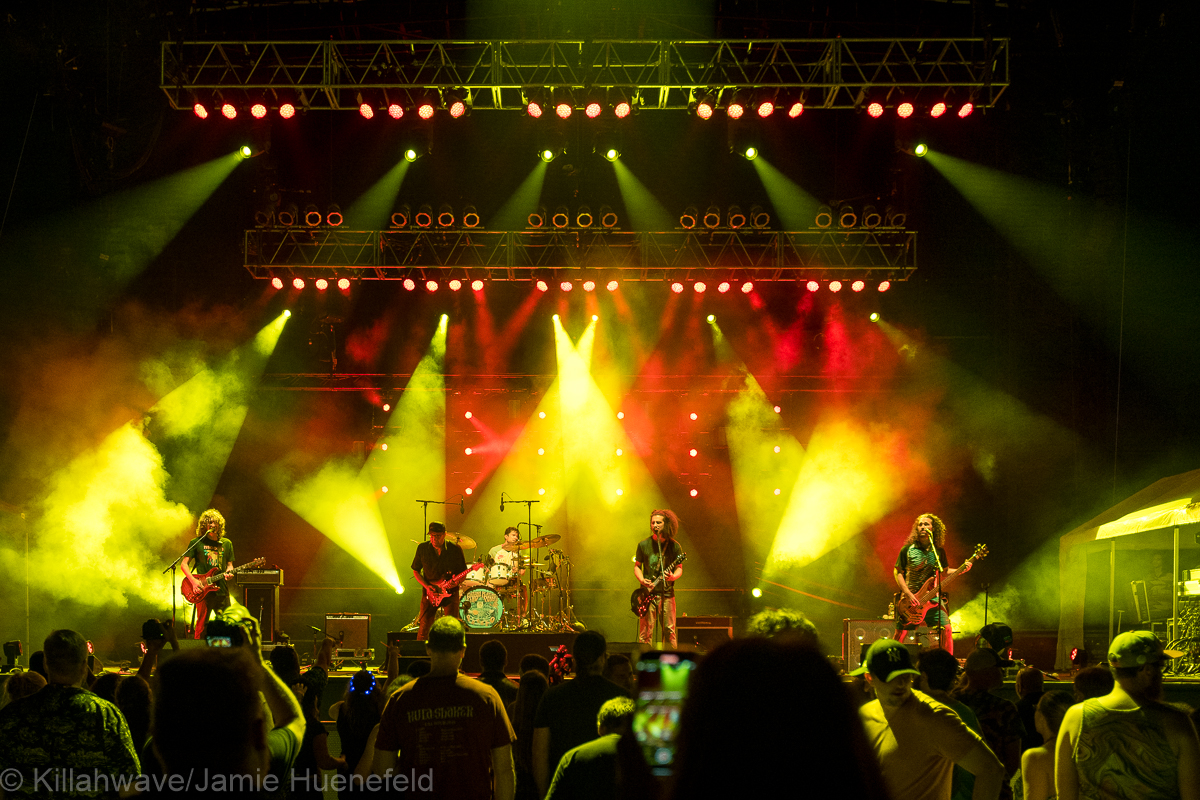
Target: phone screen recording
662	689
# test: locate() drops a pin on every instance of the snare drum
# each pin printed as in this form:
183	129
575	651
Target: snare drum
481	608
476	577
499	575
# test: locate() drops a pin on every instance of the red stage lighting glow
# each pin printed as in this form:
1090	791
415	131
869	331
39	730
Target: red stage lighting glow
410	284
277	283
200	111
700	287
534	109
704	110
477	285
693	416
365	110
677	287
938	109
812	286
431	285
322	284
735	110
287	110
344	284
425	110
228	111
693	452
694	493
747	287
612	286
395	111
468	415
592	110
795	109
258	111
885	285
965	110
566	286
467	451
835	286
542	286
455	285
622	110
468	490
904	110
458	108
589	286
858	286
298	283
563	110
387	406
723	287
875	110
766	108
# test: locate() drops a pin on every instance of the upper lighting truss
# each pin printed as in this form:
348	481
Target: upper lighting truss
707	255
832	73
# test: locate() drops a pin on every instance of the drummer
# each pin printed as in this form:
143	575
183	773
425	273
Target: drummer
504	570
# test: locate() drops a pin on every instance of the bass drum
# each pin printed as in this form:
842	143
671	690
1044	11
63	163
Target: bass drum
481	608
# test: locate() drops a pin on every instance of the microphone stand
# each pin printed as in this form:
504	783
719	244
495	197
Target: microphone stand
528	546
425	534
171	568
937	560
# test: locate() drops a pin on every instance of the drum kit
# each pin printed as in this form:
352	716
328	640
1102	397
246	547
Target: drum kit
519	593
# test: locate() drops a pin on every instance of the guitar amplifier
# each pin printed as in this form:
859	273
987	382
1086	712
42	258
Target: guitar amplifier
705	633
860	634
269	577
354	629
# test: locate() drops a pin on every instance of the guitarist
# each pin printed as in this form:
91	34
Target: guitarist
210	550
915	565
437	560
655	553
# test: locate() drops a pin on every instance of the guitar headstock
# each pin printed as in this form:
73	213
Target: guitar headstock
981	551
255	564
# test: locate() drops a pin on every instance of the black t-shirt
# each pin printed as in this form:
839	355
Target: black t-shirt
434	567
206	555
917	565
569	710
647	558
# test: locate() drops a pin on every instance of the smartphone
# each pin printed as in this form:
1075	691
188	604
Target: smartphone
662	687
219	641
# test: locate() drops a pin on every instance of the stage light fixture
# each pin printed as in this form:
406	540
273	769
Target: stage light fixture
824	217
456	103
409	284
321	284
812	286
694	493
835	286
592	108
344	284
199	110
424	216
455	284
395	110
712	217
884	286
263	216
871	218
410	155
400	216
445	217
608	217
612	154
747	287
537	218
297	283
583	217
333	215
287	215
564	103
858	286
542	286
470	218
905	110
723	287
846	216
759	218
920	150
477	285
245	152
258	111
589	285
566	286
561	218
229	111
312	216
365	111
705	104
737	105
687	220
534	106
700	287
677	287
795	109
765	108
622	109
735	217
874	317
938	109
612	285
547	155
277	282
287	110
750	152
894	218
431	286
965	110
875	110
425	109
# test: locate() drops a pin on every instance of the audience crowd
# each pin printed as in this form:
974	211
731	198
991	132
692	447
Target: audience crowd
761	714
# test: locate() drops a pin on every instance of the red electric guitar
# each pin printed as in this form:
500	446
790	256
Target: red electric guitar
208	582
440	590
927	595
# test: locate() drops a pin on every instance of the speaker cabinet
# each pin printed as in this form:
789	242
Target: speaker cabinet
860	634
353	629
263	604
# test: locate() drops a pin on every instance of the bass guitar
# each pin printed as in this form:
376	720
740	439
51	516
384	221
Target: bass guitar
927	596
440	590
208	583
640	600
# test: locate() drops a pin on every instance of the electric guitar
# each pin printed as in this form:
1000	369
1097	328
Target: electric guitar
440	590
927	595
208	582
639	601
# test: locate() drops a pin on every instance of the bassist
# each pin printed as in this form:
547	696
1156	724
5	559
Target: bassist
917	562
438	560
654	553
209	550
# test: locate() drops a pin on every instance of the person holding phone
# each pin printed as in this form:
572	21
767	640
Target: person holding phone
210	550
657	564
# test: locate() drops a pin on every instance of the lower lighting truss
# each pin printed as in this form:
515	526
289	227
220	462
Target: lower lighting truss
876	254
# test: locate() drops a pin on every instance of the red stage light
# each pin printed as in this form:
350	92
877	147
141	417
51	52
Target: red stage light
693	452
458	108
258	111
693	416
796	109
875	110
410	284
287	110
766	108
542	286
812	286
395	111
477	285
425	110
704	110
589	286
694	493
228	111
344	284
468	490
904	110
723	287
735	110
938	109
322	284
200	111
277	283
700	287
534	109
612	286
563	110
677	287
455	284
298	283
387	406
467	451
592	110
858	286
622	110
835	286
885	285
468	415
965	110
566	286
365	110
747	287
431	285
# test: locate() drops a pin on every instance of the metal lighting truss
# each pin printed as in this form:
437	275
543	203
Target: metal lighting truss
877	254
829	73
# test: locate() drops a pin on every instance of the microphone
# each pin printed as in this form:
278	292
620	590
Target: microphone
502	501
315	629
462	507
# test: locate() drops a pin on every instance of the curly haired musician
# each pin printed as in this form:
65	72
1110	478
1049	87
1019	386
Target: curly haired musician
916	564
655	553
438	560
210	550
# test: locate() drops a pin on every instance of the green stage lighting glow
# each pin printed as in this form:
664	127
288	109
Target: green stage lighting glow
287	313
410	155
757	592
874	316
612	154
712	317
751	153
921	150
547	155
245	151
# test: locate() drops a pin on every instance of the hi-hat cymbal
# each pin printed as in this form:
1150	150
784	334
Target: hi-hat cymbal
465	542
533	544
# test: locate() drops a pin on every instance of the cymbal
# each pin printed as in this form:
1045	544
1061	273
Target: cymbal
533	544
465	542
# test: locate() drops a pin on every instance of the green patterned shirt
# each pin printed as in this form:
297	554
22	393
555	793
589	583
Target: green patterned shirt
1124	754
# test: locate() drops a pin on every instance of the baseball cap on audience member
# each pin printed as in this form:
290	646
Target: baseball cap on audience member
998	637
1138	648
885	659
982	658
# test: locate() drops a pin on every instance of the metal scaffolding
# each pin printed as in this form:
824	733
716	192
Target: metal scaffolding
761	255
827	73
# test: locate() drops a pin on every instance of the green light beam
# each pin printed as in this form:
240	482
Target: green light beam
513	215
796	208
372	210
645	212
